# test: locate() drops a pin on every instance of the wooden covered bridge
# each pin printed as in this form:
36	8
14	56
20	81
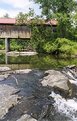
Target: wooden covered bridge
9	30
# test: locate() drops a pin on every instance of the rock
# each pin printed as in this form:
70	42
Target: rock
49	113
56	79
70	73
7	100
3	77
45	112
23	71
4	69
16	92
26	117
71	67
35	102
72	88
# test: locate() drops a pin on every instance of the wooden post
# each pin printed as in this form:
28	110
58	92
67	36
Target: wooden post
7	45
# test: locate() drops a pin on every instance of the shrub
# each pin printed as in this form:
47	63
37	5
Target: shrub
66	46
49	47
61	46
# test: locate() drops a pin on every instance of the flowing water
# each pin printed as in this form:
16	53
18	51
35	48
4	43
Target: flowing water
66	107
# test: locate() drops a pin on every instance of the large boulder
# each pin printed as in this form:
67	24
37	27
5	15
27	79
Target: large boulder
56	79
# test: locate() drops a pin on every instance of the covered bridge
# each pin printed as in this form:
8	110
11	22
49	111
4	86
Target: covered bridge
9	29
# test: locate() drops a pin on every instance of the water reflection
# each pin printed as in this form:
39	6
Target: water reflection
36	61
6	59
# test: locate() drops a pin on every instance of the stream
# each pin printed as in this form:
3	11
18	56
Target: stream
25	94
65	107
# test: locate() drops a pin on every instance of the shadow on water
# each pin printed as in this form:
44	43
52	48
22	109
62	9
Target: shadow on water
34	98
35	61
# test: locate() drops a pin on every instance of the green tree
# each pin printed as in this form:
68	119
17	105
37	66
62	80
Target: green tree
53	6
21	18
60	10
24	18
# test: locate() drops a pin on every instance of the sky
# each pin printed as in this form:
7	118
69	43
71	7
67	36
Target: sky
13	7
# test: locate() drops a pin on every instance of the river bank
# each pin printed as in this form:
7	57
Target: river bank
34	95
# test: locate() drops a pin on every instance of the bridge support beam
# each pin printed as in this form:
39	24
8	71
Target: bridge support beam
7	44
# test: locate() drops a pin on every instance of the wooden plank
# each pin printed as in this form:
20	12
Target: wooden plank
14	31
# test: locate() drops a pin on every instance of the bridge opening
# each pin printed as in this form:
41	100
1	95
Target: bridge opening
2	44
20	45
16	44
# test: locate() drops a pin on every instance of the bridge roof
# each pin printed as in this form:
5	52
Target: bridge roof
7	20
13	21
52	22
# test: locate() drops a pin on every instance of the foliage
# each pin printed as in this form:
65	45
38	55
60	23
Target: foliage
24	18
75	19
38	61
40	35
61	10
61	46
56	6
42	39
49	47
20	45
1	44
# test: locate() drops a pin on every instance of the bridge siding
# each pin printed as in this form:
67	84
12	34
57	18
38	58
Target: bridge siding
14	31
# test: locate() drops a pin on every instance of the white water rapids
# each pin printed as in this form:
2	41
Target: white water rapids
66	107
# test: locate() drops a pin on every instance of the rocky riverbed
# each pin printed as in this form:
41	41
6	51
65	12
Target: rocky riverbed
32	95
